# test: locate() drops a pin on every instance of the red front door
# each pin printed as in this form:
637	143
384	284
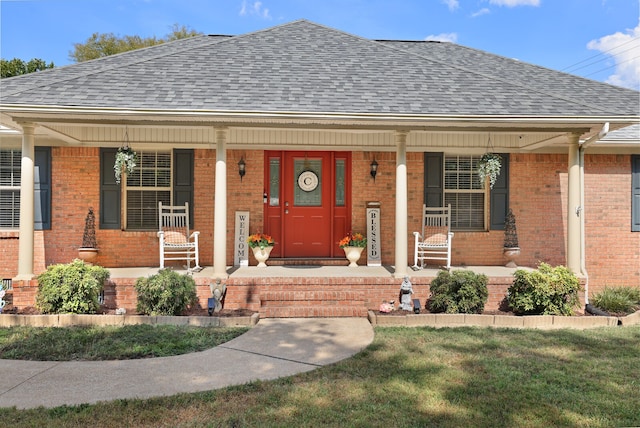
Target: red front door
307	205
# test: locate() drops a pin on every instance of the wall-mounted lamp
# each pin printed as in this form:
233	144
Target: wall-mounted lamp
374	169
242	168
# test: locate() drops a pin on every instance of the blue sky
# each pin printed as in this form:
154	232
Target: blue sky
598	39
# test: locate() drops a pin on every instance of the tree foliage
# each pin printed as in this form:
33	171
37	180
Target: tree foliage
17	67
100	45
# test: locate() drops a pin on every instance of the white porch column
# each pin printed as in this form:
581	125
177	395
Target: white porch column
401	261
25	245
220	201
573	206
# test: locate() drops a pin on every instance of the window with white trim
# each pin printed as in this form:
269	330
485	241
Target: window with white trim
462	189
149	184
10	164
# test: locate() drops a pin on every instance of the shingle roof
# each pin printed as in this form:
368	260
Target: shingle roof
306	67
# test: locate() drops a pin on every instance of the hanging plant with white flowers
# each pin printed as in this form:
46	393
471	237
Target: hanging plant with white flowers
126	160
489	166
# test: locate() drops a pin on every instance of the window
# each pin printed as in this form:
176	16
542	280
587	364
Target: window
149	184
452	179
10	161
10	174
165	176
463	191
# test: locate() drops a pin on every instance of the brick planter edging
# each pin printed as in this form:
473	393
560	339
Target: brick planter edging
68	320
546	322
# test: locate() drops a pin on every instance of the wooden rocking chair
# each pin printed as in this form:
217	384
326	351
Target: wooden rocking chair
175	241
434	243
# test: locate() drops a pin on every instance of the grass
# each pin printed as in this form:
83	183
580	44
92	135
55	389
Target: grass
109	343
618	300
413	377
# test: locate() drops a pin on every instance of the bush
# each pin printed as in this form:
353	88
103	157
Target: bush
619	300
70	288
166	293
545	291
458	292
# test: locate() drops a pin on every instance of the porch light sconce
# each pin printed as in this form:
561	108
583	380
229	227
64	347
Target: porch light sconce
374	169
242	168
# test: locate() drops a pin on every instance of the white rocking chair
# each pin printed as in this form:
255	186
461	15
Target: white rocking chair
434	243
175	241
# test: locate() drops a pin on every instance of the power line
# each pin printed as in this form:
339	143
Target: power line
612	66
601	53
600	60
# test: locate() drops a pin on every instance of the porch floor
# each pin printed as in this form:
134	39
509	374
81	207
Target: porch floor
315	271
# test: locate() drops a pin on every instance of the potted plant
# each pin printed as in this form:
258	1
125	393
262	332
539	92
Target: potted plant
511	248
261	244
353	244
489	166
89	250
126	159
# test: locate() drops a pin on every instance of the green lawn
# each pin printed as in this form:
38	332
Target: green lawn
414	377
109	343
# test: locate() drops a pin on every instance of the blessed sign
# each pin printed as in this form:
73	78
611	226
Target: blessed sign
374	254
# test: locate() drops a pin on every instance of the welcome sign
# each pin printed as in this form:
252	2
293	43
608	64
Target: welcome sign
241	247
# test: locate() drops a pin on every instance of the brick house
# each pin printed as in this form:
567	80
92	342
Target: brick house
304	97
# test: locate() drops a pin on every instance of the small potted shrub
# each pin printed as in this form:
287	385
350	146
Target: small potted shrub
511	249
88	252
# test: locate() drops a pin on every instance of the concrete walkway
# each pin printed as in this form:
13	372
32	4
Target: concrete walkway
274	348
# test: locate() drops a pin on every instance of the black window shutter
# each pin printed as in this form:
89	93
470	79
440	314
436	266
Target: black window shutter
42	188
109	191
433	186
635	193
183	179
499	196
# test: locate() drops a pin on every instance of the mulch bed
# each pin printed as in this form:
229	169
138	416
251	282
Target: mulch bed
197	311
498	312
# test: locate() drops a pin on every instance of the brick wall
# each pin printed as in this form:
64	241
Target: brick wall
613	251
538	198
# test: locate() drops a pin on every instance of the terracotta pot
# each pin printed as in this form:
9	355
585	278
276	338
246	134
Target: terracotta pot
88	255
511	254
262	255
353	255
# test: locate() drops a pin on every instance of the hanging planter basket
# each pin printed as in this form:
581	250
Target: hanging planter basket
126	160
489	167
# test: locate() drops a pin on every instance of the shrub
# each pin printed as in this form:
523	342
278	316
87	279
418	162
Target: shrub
620	300
166	293
70	288
545	291
458	292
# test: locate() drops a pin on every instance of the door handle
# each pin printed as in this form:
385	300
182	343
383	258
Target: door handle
286	211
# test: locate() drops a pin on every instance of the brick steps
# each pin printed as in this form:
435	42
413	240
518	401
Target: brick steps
303	303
